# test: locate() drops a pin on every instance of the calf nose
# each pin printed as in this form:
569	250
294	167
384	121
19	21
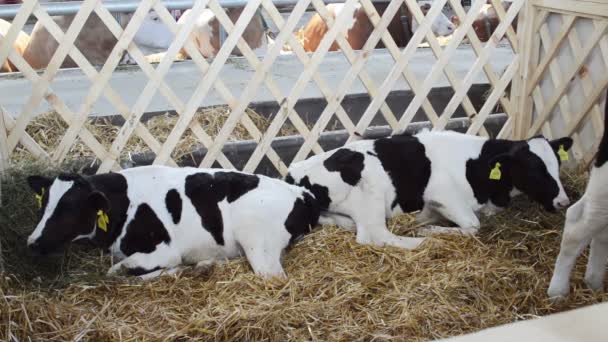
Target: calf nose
562	203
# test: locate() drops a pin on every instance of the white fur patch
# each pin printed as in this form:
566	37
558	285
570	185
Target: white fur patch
351	14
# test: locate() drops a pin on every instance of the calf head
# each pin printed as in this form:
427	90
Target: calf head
442	26
533	167
69	209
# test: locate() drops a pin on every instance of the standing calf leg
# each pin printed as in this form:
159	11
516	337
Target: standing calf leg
596	266
578	232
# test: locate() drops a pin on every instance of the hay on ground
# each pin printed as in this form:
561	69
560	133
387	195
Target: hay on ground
48	129
336	289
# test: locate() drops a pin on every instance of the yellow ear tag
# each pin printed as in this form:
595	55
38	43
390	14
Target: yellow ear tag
563	155
495	174
39	198
102	220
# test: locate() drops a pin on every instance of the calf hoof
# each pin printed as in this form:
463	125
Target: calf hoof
595	283
115	269
558	292
409	243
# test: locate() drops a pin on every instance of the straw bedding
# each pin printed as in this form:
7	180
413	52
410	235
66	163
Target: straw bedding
48	129
336	289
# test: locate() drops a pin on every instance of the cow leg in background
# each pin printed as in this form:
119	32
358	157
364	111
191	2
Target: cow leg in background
596	266
463	217
142	263
370	218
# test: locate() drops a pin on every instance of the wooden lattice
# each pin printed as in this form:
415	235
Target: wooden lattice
566	73
13	127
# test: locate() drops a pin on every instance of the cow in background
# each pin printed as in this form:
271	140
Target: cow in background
360	28
487	20
19	45
208	36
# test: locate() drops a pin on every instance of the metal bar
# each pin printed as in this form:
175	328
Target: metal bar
127	6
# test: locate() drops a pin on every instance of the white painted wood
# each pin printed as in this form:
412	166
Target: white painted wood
239	81
569	83
583	324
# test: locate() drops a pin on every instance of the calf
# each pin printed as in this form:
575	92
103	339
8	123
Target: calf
360	29
157	217
445	174
586	224
19	45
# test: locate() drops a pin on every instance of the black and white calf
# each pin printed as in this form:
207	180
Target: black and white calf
445	174
586	224
157	217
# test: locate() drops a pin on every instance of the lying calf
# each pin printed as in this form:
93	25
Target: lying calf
158	217
445	174
586	223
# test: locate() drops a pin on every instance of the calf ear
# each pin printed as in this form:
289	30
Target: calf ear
565	141
37	183
503	159
98	201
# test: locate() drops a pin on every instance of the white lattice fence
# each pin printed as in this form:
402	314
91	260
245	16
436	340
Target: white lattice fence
45	90
566	75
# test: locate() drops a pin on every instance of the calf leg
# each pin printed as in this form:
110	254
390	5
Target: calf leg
142	263
427	216
465	218
370	218
344	222
596	266
578	232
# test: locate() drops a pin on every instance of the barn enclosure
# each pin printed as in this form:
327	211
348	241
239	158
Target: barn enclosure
310	101
108	95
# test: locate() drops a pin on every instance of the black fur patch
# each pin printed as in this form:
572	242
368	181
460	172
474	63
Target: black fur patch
303	217
138	271
404	159
320	192
174	205
144	232
114	186
349	163
478	172
522	169
602	153
207	190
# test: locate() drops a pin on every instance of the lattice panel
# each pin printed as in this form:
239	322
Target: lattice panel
215	85
566	75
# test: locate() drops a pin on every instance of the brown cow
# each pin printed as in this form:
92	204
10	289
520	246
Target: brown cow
207	37
487	20
95	42
360	29
19	45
